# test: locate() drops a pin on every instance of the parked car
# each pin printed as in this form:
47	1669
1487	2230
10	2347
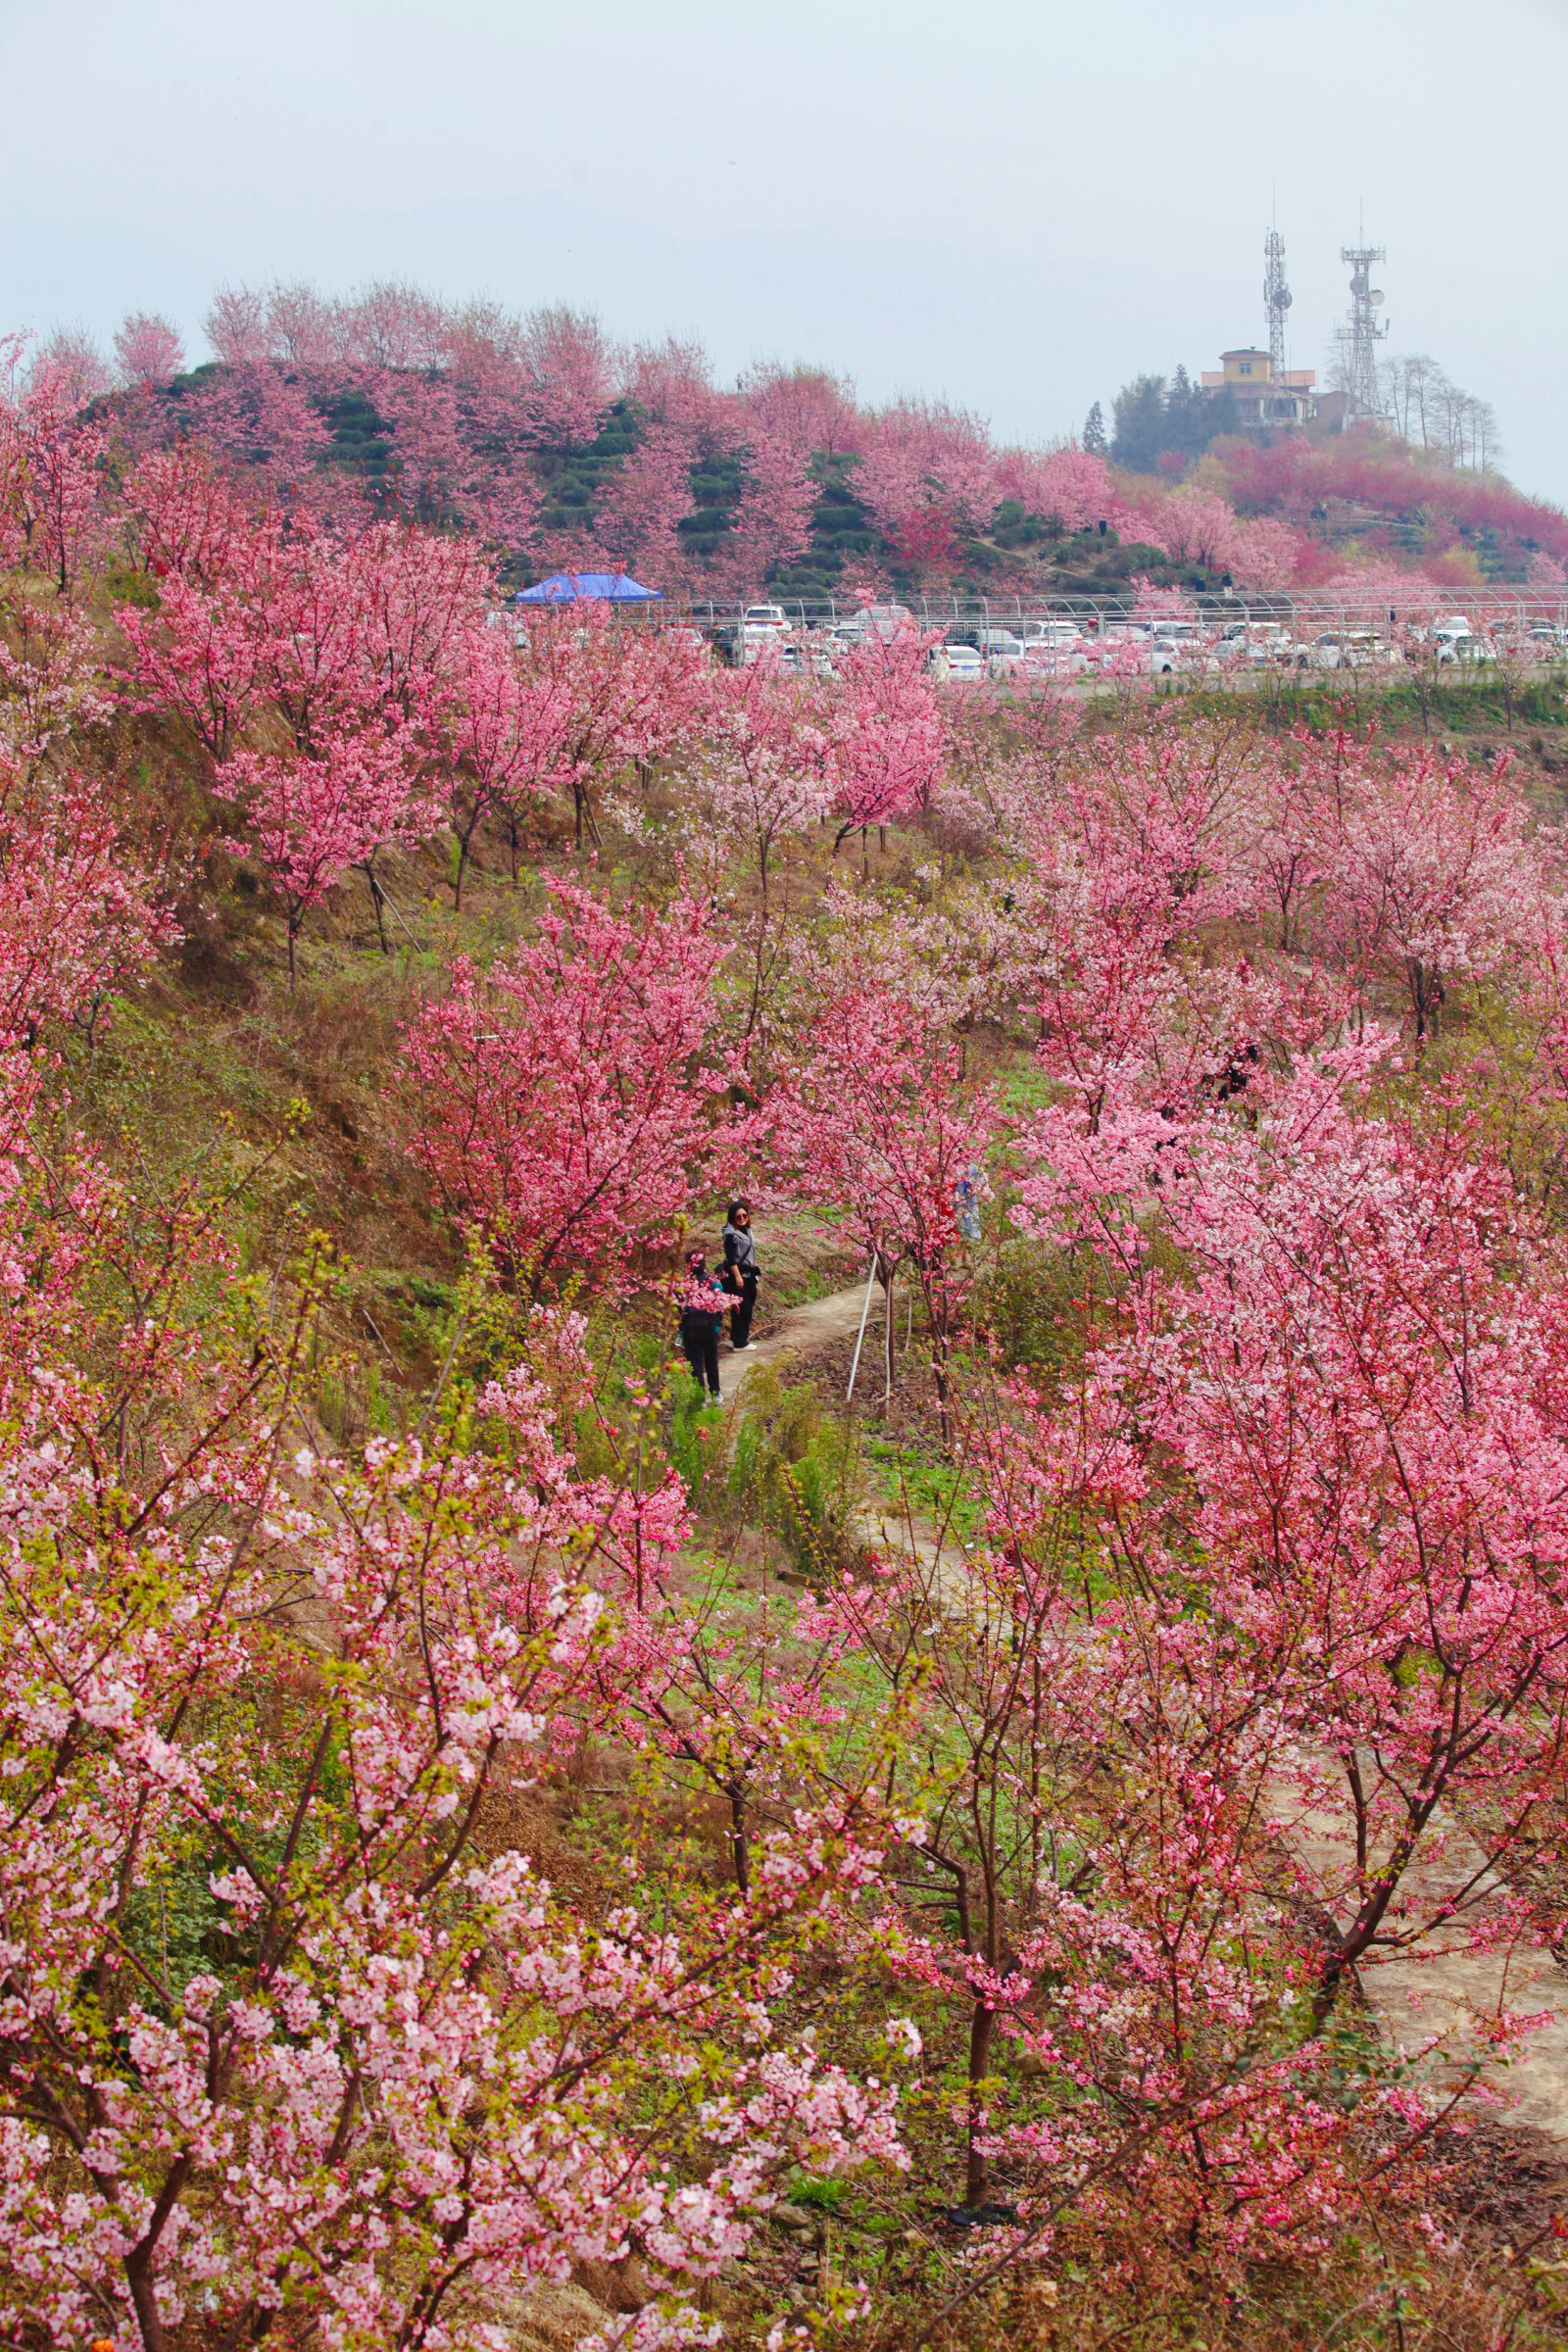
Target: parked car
1002	649
1178	632
818	653
1167	655
767	645
1257	645
1364	648
959	664
886	621
1047	661
1456	641
766	616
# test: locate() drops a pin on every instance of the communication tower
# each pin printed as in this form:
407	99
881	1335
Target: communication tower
1362	334
1276	300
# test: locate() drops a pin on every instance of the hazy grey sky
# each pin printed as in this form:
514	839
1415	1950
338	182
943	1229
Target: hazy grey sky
1017	206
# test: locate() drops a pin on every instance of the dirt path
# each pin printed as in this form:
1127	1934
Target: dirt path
1439	1985
800	1330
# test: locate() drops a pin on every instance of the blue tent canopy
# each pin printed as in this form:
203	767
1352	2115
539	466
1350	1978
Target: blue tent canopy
572	587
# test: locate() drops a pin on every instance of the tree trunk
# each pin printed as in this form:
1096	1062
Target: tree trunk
375	880
739	1847
977	2169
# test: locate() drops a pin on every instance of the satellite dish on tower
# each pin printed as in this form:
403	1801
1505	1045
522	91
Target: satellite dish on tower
1280	298
1376	294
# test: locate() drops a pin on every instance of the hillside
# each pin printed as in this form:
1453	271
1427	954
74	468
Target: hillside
563	451
1014	1807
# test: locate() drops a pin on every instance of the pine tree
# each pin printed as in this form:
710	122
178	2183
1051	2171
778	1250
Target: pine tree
1184	414
1140	426
1094	443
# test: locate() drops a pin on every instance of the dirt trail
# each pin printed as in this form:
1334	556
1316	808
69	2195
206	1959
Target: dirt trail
1438	1986
801	1329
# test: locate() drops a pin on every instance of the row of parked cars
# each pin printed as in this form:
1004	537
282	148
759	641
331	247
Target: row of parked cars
1059	646
1168	647
765	632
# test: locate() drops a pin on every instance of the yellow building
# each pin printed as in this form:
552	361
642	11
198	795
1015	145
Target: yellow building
1262	398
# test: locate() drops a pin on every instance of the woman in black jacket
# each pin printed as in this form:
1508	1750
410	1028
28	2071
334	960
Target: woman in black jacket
741	1271
701	1319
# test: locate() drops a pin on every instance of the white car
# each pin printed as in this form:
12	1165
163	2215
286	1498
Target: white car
1005	650
959	665
1168	654
1456	641
1179	644
817	650
766	616
886	621
759	643
1054	661
1256	645
1364	648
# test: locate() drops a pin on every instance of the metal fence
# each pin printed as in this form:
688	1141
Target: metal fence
1303	612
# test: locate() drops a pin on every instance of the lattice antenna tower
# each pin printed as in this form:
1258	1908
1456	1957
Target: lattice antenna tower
1363	333
1276	300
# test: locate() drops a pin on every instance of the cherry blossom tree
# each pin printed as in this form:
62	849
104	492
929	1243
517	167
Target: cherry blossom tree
869	1114
1430	871
499	740
50	461
571	372
1070	484
235	325
766	746
83	912
921	458
639	520
149	349
312	815
771	525
566	1095
1346	1334
345	646
806	409
261	417
252	1987
186	518
885	751
71	362
629	694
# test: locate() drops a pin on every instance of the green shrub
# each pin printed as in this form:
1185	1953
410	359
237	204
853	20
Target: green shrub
793	1469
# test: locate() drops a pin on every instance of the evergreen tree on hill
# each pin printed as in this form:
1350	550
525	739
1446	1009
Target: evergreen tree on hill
1139	435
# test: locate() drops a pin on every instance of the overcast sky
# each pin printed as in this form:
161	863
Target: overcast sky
1017	207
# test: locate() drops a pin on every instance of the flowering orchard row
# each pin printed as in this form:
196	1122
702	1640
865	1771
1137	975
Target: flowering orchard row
563	449
1259	1050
